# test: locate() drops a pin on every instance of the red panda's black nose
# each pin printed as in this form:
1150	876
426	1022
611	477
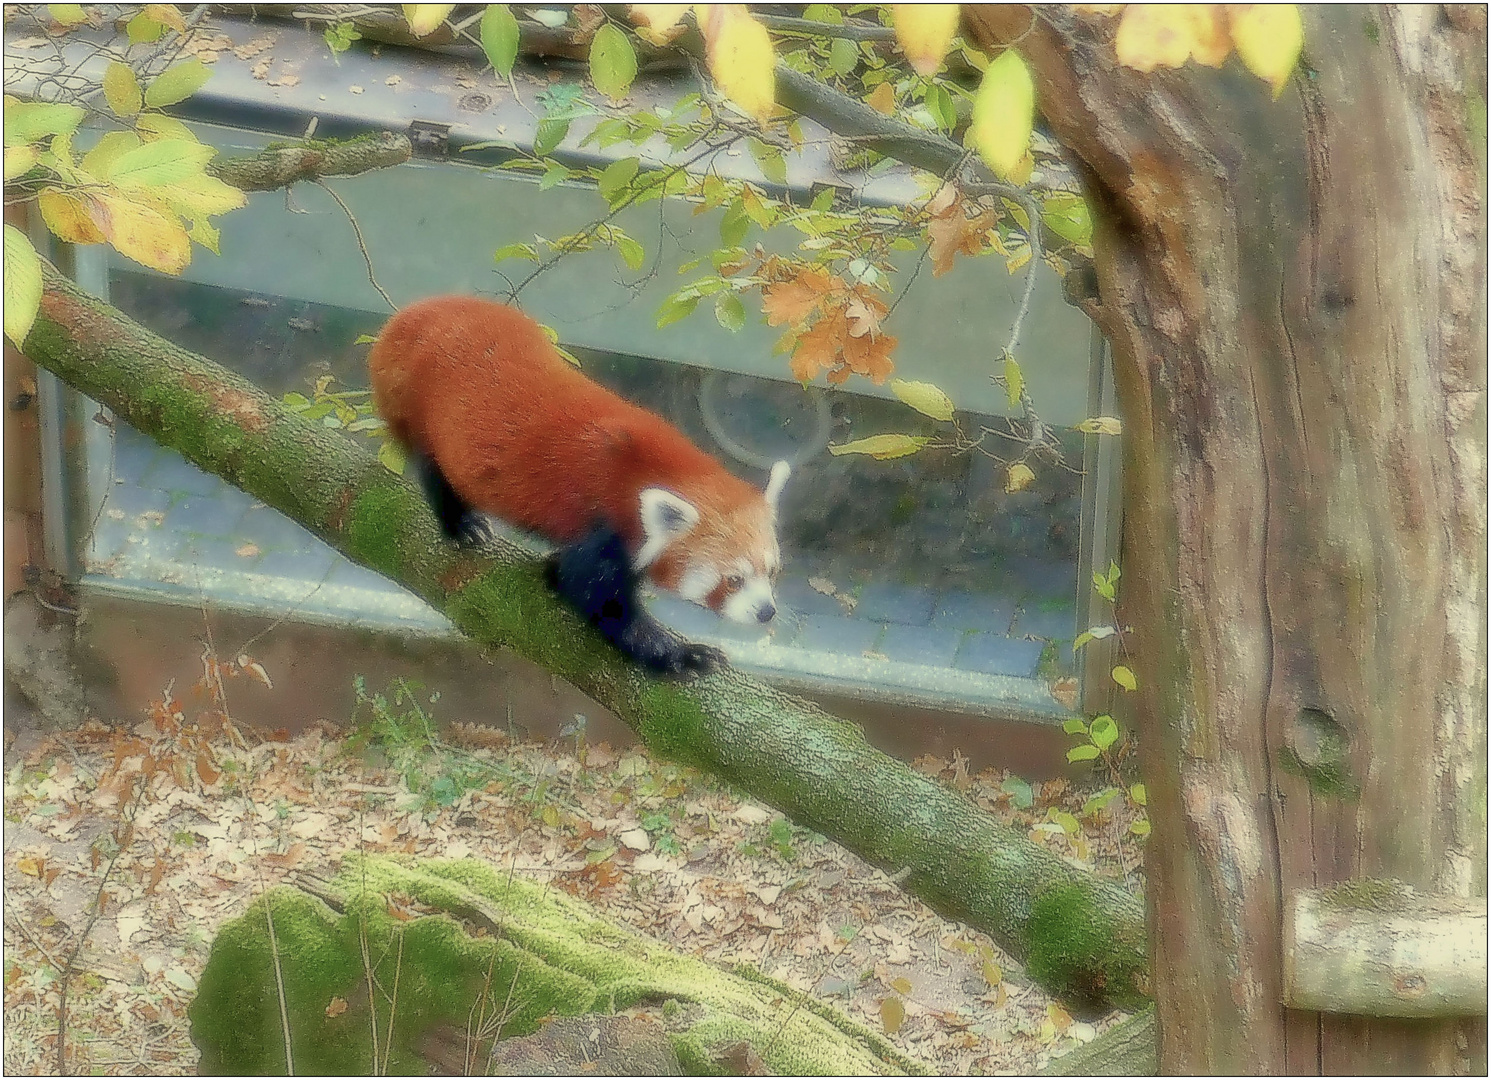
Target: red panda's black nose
767	613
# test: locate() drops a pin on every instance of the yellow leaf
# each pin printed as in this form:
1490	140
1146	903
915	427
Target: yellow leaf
658	24
740	58
1003	114
882	447
883	99
23	288
1210	41
1101	425
160	126
141	232
993	974
19	159
1269	38
1060	1018
200	195
901	984
1125	678
925	32
924	398
1018	478
166	15
67	14
424	18
1155	35
30	865
67	218
1014	381
122	90
892	1013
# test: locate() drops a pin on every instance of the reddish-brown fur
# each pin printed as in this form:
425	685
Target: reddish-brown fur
520	433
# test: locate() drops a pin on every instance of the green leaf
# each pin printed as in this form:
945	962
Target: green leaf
1004	114
843	56
1140	828
499	38
553	176
632	253
613	62
1099	801
882	447
1125	678
1068	217
824	200
1085	752
940	104
67	14
676	307
1104	732
22	285
365	339
1069	824
730	312
1014	380
206	233
924	398
616	176
769	159
734	225
165	161
1021	797
1075	726
551	132
142	28
177	83
28	121
515	251
122	89
1139	795
391	454
98	161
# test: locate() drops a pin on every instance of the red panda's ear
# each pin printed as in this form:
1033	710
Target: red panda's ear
779	473
665	517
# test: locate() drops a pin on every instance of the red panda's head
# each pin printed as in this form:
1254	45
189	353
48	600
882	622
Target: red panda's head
722	554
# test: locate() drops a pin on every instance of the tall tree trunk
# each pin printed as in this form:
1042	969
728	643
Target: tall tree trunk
1295	294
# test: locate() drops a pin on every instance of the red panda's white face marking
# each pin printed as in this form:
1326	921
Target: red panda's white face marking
726	560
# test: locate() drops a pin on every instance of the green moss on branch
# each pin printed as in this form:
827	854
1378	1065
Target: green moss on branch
1083	937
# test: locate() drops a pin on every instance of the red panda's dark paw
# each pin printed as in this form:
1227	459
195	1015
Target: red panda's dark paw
694	661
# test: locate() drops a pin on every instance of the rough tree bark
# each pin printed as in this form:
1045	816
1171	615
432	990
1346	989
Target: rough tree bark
1295	295
1080	936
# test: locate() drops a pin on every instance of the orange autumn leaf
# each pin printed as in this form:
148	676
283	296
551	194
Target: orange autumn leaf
870	356
953	232
793	301
818	349
864	312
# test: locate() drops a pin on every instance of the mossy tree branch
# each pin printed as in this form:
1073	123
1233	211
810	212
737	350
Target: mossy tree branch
1082	937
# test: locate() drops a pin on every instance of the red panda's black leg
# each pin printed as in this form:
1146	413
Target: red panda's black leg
457	519
595	574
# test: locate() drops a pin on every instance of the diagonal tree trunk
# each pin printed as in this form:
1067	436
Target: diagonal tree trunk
1080	936
1295	293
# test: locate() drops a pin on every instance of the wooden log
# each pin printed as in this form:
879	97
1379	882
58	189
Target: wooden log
1378	948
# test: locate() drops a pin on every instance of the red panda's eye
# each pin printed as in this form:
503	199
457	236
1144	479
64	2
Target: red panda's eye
735	581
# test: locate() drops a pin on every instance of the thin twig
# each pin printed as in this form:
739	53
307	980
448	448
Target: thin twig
142	785
361	243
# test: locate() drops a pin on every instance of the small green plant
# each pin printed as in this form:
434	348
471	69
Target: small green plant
339	38
397	728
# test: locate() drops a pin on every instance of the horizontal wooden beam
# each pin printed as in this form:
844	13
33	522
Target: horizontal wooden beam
1379	948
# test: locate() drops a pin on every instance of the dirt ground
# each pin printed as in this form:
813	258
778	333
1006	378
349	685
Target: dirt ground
176	822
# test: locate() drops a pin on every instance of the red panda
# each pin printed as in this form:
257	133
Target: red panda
497	421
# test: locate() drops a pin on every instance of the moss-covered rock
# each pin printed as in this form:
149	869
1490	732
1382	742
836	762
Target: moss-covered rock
481	945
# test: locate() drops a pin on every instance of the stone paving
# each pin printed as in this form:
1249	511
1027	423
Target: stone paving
169	527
